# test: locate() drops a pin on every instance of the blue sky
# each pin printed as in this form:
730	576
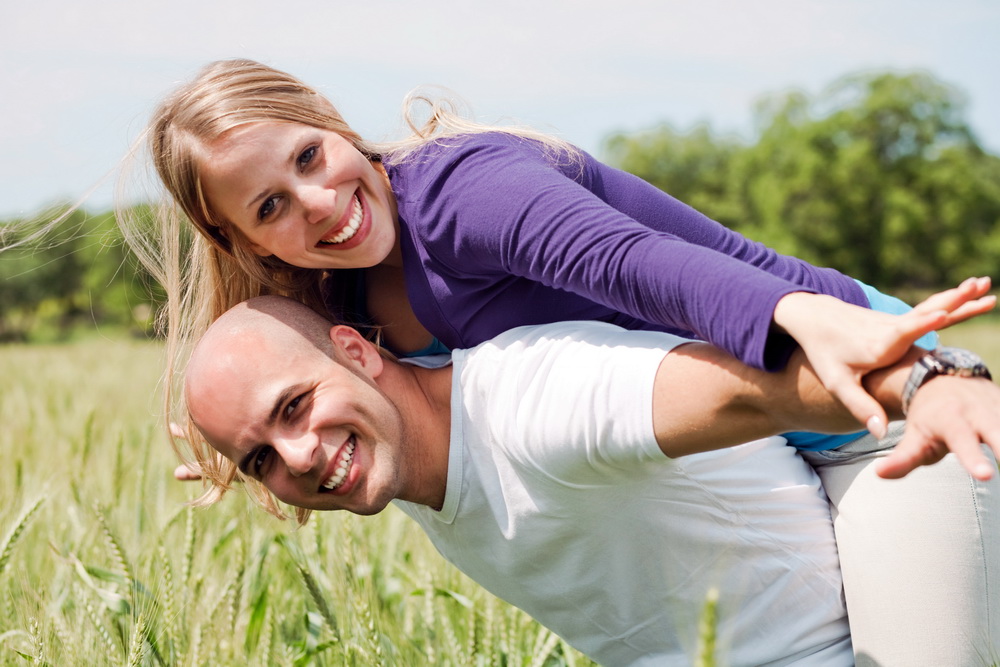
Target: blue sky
79	79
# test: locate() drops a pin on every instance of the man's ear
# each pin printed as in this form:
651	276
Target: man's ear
352	348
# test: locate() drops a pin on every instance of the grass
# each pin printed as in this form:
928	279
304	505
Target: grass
101	562
982	336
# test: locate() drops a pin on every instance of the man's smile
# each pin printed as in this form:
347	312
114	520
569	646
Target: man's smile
344	460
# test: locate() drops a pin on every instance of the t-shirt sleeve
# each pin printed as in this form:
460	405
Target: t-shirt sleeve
502	205
573	399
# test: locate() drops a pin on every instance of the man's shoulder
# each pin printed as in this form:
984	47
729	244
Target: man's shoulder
571	398
555	337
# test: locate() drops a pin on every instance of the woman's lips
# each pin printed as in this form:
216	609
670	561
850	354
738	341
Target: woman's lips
347	231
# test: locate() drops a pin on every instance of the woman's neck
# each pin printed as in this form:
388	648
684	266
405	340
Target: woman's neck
389	306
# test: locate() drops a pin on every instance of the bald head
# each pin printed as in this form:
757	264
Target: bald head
245	347
265	317
299	405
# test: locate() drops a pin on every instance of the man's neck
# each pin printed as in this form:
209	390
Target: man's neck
423	398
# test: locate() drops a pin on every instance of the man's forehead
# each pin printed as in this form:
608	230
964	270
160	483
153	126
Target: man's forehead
231	399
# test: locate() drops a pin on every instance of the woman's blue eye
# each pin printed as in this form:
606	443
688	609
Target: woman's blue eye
306	157
267	208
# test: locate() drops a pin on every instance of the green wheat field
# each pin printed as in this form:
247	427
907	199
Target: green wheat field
102	563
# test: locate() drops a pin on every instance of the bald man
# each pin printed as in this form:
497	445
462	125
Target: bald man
558	466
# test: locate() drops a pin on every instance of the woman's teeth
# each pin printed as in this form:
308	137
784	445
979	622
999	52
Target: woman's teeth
340	474
351	228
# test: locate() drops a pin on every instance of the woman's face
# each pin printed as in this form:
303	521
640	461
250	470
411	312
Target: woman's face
303	194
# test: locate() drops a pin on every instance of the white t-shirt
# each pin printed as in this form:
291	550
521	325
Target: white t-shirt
560	502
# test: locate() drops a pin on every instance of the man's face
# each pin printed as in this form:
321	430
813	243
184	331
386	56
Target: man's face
316	431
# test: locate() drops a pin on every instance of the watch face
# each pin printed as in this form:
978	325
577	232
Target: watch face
943	361
958	361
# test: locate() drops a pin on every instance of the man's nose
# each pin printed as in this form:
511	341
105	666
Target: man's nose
298	453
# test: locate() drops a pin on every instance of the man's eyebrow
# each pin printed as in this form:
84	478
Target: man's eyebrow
282	398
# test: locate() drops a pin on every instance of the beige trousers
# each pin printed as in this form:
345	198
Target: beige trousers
921	558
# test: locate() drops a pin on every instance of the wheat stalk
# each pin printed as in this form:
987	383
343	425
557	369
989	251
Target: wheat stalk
319	599
371	636
707	626
542	652
448	630
109	643
264	644
189	532
114	544
136	649
16	533
169	604
36	639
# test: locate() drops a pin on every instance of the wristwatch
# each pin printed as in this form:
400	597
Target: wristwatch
943	361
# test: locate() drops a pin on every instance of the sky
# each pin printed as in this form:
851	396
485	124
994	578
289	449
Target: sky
79	79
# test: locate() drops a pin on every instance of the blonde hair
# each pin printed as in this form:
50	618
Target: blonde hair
206	273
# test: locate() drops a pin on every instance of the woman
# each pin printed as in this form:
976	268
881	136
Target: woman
461	232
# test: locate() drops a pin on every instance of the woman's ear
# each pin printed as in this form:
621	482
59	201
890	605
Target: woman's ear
260	251
223	233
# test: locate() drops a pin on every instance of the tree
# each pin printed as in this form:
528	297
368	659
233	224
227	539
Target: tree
78	273
879	176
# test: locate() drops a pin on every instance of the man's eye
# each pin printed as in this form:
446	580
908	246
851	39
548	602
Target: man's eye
306	157
292	404
260	460
267	208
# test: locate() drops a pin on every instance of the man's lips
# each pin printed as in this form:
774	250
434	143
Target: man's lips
342	465
350	224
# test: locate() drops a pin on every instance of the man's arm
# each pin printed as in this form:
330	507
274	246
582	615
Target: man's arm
705	399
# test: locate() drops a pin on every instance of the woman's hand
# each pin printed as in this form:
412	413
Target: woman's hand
844	342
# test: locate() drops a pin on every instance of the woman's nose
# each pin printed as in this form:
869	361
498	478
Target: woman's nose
318	203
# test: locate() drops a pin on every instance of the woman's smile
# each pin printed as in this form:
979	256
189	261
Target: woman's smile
280	183
346	232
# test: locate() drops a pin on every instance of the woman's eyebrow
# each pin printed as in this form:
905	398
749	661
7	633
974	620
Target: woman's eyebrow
292	156
250	204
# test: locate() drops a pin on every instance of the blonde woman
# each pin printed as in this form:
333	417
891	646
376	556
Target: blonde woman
461	232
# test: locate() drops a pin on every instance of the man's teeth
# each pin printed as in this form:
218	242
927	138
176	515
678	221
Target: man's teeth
351	228
340	474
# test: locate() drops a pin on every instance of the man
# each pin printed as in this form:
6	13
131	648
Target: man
545	465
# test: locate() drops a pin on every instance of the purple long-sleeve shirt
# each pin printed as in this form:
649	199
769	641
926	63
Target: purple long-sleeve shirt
498	232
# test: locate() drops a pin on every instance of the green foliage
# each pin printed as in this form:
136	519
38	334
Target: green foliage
878	176
79	274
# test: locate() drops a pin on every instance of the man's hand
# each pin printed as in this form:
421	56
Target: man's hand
185	472
844	342
949	414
